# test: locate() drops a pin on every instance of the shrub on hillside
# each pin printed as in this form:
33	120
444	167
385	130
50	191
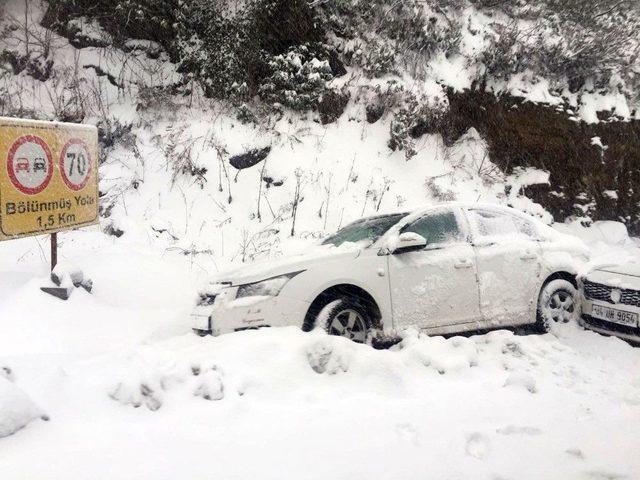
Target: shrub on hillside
123	19
296	79
217	51
567	41
418	113
235	53
332	105
376	58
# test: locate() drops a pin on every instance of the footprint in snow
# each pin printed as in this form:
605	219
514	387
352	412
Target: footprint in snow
406	431
210	385
516	430
477	445
603	475
521	380
575	452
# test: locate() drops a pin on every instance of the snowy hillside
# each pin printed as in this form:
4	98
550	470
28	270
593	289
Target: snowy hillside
169	175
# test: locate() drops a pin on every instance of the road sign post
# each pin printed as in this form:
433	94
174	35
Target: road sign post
48	179
54	250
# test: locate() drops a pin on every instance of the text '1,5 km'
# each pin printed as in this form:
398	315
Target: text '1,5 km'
48	177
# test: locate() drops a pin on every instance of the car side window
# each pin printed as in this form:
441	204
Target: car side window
526	228
490	224
436	228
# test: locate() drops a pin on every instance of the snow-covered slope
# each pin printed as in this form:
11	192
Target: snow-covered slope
167	175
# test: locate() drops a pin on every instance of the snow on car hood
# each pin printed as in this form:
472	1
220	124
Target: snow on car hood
631	268
254	272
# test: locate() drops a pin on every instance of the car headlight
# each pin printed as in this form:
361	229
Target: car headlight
207	296
270	287
206	299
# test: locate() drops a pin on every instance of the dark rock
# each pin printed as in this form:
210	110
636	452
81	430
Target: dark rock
111	230
59	292
87	284
100	72
374	112
250	158
40	68
78	40
337	66
272	182
18	62
331	106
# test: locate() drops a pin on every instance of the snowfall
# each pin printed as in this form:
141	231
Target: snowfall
113	384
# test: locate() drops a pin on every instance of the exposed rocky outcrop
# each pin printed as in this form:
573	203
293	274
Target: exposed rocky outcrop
594	168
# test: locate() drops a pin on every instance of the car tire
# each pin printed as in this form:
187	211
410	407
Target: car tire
558	302
346	317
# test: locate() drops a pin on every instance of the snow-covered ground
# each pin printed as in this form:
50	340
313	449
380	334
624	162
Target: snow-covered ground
281	403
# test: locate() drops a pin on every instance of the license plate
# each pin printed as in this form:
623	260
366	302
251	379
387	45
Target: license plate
613	315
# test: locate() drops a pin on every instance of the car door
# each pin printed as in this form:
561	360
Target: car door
437	285
508	257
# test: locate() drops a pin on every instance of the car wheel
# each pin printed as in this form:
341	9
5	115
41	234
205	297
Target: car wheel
558	303
345	317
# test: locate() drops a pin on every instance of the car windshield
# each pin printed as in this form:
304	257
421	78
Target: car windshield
369	229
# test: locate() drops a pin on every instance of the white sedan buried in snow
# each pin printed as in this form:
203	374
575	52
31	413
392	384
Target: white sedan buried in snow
444	269
611	300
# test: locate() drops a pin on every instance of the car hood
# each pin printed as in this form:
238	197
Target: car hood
631	269
257	271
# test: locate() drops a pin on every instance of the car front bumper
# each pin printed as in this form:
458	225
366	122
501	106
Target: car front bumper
606	327
227	316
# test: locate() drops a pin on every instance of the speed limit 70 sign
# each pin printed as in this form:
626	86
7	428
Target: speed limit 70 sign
48	177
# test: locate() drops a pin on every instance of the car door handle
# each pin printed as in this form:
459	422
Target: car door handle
528	256
463	263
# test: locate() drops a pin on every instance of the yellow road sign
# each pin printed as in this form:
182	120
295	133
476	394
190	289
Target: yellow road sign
48	177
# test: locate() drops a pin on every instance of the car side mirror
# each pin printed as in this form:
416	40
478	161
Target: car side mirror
409	242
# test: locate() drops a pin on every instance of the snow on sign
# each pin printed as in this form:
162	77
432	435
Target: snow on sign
48	177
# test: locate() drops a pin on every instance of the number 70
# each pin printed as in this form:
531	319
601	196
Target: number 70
80	162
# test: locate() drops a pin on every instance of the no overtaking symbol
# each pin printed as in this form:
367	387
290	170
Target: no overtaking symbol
29	164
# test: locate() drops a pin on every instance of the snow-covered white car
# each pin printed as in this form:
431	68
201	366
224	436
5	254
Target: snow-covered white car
443	269
611	300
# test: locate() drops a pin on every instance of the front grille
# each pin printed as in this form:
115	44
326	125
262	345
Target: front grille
598	291
242	329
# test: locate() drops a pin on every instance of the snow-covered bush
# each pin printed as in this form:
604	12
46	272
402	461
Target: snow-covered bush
215	49
582	43
297	79
504	58
419	112
122	19
233	51
332	105
183	157
376	58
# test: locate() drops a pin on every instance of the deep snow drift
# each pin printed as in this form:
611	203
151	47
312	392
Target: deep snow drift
279	402
276	403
